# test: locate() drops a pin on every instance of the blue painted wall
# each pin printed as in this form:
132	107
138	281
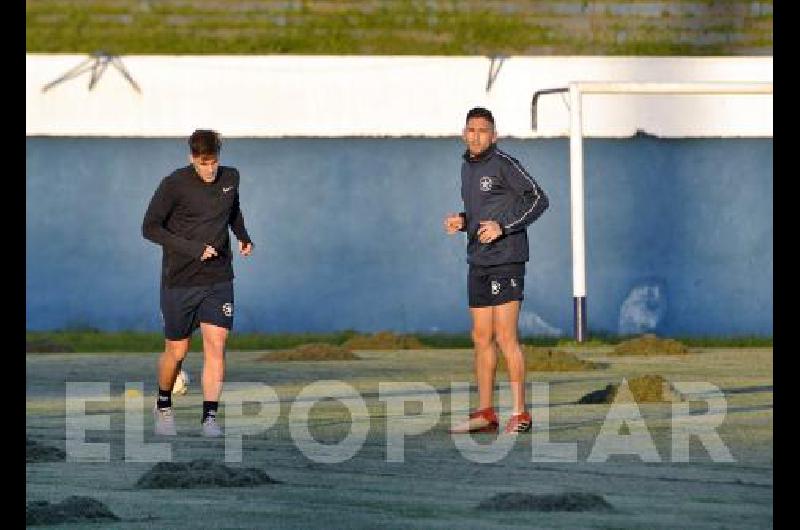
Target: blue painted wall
348	234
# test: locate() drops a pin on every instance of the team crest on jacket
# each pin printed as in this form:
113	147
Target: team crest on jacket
486	183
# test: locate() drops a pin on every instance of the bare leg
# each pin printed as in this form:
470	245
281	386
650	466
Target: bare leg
485	354
169	364
505	329
485	365
214	338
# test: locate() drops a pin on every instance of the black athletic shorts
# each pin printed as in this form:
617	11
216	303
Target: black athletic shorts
184	308
495	285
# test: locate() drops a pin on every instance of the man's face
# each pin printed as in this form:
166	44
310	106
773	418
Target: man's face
206	166
479	134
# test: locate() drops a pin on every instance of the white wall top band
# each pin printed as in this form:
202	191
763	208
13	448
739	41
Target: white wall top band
327	96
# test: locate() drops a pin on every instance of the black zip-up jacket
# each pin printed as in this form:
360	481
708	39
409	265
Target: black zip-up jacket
495	187
186	214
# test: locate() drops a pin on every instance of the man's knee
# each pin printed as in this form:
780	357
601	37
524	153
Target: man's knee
177	349
507	340
214	345
214	348
482	337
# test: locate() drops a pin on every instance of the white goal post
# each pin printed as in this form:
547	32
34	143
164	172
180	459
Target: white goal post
576	91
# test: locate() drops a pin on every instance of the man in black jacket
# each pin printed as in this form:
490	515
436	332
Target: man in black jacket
500	200
189	216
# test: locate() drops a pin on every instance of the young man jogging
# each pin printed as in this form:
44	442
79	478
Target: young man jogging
189	216
500	200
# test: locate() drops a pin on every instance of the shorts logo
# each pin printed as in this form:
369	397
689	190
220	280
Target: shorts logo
495	287
513	282
486	183
227	309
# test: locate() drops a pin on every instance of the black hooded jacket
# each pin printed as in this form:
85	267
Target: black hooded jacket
495	187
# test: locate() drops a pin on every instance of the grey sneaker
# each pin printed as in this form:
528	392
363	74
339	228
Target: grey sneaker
164	421
211	428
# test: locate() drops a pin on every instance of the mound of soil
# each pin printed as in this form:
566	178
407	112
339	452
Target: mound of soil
558	502
649	344
73	509
316	351
539	359
36	452
645	389
383	340
201	474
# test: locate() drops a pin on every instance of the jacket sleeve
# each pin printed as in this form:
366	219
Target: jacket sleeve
236	220
529	201
153	229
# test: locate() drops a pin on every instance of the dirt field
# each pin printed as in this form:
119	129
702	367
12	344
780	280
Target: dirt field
436	486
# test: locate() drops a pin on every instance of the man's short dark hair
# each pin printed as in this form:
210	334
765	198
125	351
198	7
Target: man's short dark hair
480	112
204	142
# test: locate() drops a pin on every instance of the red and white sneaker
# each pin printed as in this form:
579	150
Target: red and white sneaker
482	420
518	423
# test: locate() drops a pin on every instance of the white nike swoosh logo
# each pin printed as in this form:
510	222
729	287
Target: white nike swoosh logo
226	190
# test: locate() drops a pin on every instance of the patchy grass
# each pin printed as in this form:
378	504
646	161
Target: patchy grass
94	341
88	340
46	346
735	341
373	27
463	340
274	341
730	341
342	495
594	341
317	351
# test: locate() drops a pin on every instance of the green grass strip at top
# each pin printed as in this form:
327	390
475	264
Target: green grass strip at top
91	341
372	28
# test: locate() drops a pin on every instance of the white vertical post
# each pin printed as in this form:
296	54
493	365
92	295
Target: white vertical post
577	213
576	91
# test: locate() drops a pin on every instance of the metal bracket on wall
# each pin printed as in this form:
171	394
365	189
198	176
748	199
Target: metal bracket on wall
494	70
97	64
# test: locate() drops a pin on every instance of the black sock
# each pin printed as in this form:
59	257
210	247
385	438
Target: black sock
164	399
209	409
